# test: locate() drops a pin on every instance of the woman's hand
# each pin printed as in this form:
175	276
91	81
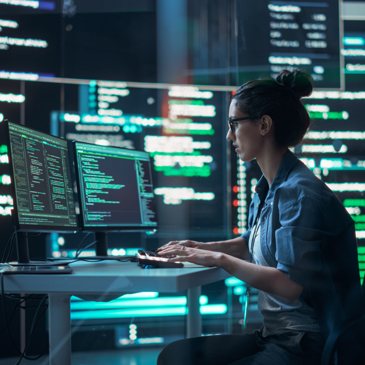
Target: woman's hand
183	243
191	254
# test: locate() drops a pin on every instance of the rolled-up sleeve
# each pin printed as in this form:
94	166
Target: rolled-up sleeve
246	235
300	240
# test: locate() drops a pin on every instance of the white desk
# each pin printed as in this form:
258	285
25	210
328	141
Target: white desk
104	280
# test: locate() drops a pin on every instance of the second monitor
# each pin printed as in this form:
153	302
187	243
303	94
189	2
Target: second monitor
115	189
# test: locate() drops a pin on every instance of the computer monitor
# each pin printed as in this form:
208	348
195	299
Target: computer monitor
41	184
115	190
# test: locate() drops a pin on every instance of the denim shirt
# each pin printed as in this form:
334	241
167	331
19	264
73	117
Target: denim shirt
308	234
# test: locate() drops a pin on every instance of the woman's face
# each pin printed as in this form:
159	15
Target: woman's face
246	138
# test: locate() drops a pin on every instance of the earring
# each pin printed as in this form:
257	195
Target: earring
262	132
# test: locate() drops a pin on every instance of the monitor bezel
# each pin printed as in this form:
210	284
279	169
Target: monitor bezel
4	126
106	228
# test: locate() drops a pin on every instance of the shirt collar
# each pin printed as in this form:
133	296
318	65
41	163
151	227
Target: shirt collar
286	165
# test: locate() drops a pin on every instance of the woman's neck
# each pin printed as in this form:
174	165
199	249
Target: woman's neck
270	160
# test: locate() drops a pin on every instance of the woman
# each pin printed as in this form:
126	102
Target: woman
300	248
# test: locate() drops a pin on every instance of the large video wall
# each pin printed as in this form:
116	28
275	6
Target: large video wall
202	191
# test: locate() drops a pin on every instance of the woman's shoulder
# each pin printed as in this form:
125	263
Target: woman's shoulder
304	192
301	183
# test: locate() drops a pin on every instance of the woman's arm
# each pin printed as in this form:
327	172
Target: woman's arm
268	279
265	278
236	247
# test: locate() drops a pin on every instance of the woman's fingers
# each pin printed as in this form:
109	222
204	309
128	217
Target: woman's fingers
185	243
168	245
177	250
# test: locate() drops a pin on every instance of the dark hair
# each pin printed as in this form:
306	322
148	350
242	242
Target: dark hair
280	99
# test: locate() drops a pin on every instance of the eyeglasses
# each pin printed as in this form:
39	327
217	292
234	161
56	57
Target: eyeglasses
233	122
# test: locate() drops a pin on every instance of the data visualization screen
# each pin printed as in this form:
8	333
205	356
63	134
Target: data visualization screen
291	34
42	180
185	141
116	189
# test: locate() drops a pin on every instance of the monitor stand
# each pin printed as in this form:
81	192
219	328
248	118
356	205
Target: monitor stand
101	249
23	254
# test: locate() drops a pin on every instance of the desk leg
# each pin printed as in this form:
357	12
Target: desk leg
194	320
59	329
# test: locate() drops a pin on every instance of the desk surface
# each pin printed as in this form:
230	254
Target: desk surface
114	278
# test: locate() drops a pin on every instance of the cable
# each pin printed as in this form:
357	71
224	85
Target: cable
10	240
11	318
86	247
80	245
35	322
36	235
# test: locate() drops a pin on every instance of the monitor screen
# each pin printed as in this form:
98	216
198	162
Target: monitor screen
41	179
115	188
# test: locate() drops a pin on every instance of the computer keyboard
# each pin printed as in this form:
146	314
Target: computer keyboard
155	261
36	270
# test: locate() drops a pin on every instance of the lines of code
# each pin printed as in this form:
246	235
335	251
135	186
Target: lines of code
41	179
115	189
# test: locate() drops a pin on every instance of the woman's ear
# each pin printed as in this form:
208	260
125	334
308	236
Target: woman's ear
266	125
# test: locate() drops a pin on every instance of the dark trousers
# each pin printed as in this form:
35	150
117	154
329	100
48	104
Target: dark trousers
292	348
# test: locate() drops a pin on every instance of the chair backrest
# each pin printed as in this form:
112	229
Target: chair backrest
336	341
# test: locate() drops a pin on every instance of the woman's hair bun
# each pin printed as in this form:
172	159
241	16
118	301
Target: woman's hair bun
298	82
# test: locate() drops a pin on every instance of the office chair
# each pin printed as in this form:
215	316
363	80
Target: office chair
353	350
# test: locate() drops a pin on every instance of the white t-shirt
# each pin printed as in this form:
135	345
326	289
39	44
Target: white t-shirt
280	315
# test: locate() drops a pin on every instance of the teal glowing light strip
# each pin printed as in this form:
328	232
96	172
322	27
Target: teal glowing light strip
144	294
158	302
134	301
128	313
154	312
